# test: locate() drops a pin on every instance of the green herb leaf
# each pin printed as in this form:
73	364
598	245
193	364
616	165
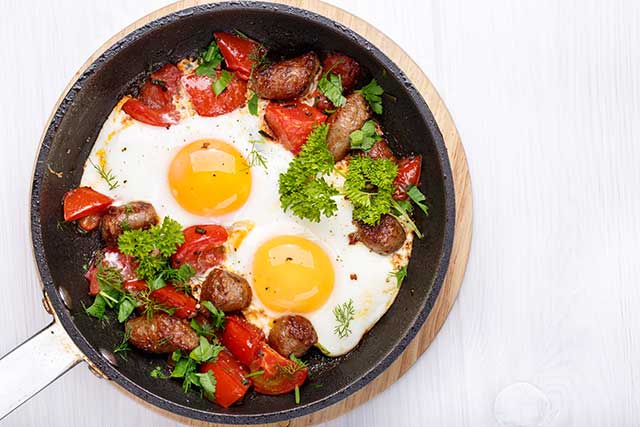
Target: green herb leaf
221	83
210	61
252	105
183	367
344	314
298	362
217	316
207	383
373	94
125	308
331	86
98	307
418	198
254	374
205	351
206	330
402	210
364	138
369	186
296	393
400	275
159	373
106	175
157	283
302	188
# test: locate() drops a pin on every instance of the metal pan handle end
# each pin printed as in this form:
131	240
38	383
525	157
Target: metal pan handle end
35	364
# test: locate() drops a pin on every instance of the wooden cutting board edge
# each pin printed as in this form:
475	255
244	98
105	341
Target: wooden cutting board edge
462	186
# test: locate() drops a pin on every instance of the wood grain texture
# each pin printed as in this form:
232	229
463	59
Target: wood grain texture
546	96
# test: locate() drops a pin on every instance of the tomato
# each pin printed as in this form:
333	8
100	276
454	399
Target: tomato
280	375
83	201
89	222
206	102
135	286
231	385
111	257
202	247
242	339
380	150
170	297
292	122
321	102
239	53
408	174
345	67
155	106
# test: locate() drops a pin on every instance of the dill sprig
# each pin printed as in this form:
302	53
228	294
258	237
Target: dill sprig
107	175
344	314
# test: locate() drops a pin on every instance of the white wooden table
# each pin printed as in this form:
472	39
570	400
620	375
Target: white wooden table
546	95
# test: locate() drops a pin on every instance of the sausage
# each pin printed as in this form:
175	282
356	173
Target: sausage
384	238
350	117
161	334
286	79
132	216
292	334
227	291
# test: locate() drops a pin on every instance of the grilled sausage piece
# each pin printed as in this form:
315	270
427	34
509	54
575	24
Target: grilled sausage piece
286	79
132	216
385	238
227	291
350	117
161	334
292	335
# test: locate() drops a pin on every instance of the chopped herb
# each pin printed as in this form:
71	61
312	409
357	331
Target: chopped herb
125	308
252	105
400	275
369	186
207	382
157	283
98	307
221	83
402	210
61	225
299	362
331	86
200	230
317	385
123	347
210	61
108	176
364	138
205	330
322	348
302	188
158	373
372	93
241	34
344	314
217	316
330	111
418	198
254	374
205	351
255	157
296	393
160	83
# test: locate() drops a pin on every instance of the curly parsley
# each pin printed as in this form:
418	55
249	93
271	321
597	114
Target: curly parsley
369	186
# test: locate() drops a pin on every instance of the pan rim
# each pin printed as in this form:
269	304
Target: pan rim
94	356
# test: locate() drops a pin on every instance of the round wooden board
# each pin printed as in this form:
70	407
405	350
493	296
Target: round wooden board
462	185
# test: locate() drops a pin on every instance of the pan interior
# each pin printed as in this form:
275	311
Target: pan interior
61	251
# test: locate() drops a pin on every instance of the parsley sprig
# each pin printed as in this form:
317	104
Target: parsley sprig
331	86
210	61
373	94
399	275
364	138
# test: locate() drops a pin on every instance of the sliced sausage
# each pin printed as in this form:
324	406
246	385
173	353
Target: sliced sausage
286	79
227	291
132	216
350	117
292	334
161	334
384	238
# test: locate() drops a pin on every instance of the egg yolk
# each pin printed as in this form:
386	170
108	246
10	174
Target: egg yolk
292	274
209	177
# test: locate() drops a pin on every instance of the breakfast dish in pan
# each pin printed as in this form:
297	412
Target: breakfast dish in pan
250	209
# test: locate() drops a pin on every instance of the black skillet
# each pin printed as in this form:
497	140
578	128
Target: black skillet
61	253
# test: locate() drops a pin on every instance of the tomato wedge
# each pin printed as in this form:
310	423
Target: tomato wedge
380	150
202	247
155	106
135	286
242	339
239	53
408	174
170	297
207	103
280	375
292	122
83	201
111	257
89	222
231	385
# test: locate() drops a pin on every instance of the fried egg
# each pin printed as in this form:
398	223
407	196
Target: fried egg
220	170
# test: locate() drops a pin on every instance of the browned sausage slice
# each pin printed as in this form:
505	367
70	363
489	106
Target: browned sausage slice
132	216
292	334
161	334
350	117
385	238
227	291
286	79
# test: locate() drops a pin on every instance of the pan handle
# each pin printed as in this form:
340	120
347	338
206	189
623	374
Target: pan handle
35	364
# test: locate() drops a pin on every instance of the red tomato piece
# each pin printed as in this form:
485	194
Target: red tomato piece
83	201
111	257
89	222
231	385
280	375
135	286
242	339
321	102
292	122
202	247
239	53
170	75
154	117
408	174
344	66
380	150
170	297
206	102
